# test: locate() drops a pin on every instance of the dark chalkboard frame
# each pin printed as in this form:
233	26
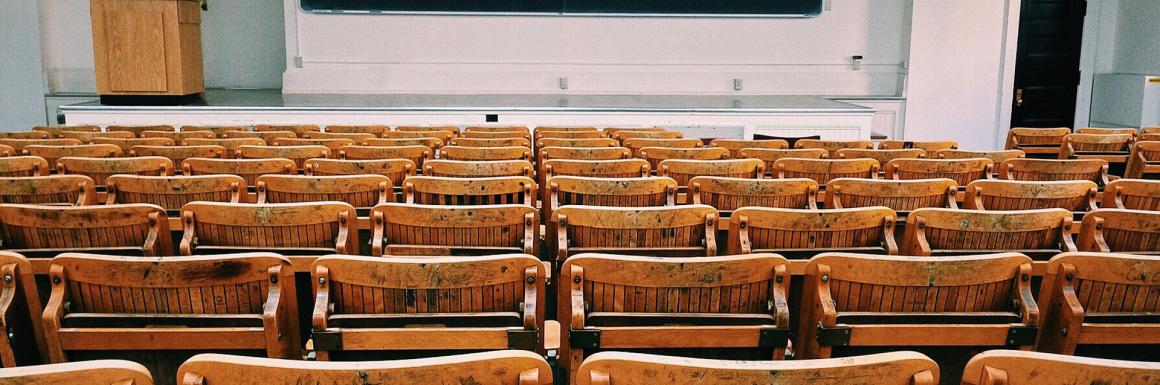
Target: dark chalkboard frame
575	8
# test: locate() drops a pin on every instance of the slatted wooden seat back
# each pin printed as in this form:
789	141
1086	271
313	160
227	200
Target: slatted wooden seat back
896	368
1037	142
577	142
178	137
18	145
44	231
584	153
1076	196
216	130
297	129
444	136
395	169
770	156
727	194
491	142
435	190
1099	299
623	168
316	228
655	155
737	302
963	171
1029	368
126	144
6	151
356	137
931	147
1150	137
54	131
1143	131
1114	148
52	154
478	169
1144	160
248	169
609	192
375	130
333	144
454	152
882	156
138	130
53	190
563	131
267	136
178	154
496	128
995	156
411	229
541	135
1095	170
298	154
635	144
172	193
614	130
832	146
625	135
431	143
87	137
22	343
902	196
867	301
680	231
509	367
1107	131
23	166
224	302
96	372
825	170
497	135
101	168
360	191
801	234
37	135
736	145
479	303
1120	231
1038	233
1125	194
230	144
453	130
419	155
684	170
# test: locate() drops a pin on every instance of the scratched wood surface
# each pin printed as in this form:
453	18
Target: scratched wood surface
230	144
578	142
401	228
736	145
102	168
431	143
356	137
995	156
1127	194
625	135
655	155
963	171
931	147
98	372
684	170
248	169
1017	367
1120	231
23	166
44	231
139	130
824	170
87	136
19	144
614	192
471	134
178	154
898	368
297	129
432	190
360	191
899	195
267	136
1107	131
334	144
937	231
1077	196
68	190
770	156
635	144
126	144
1144	160
540	134
496	128
803	233
833	146
687	230
456	152
1095	170
414	153
52	154
178	137
54	131
6	150
478	169
882	156
395	169
557	131
442	135
491	142
171	193
318	227
621	168
454	130
217	130
298	154
727	194
1037	141
38	135
373	129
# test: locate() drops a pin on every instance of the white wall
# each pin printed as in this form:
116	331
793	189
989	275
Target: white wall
1137	48
21	74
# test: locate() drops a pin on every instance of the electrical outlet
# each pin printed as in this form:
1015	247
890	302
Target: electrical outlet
563	83
737	84
297	62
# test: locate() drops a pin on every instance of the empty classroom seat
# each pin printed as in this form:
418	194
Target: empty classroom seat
728	194
18	145
613	130
800	234
179	154
635	144
395	169
138	130
54	131
373	129
1150	137
770	156
6	150
995	156
852	302
409	229
611	192
736	145
832	146
1037	142
431	143
23	166
52	154
618	368
931	147
1037	233
333	144
172	193
1099	299
317	228
360	191
454	152
178	137
1113	148
444	136
39	135
53	190
430	304
902	196
622	168
1076	196
654	155
230	144
1012	367
470	134
625	135
45	231
684	170
1120	231
583	153
87	137
680	231
492	142
126	144
496	128
96	372
297	129
267	136
1125	194
541	135
87	309
248	169
298	154
1095	170
824	170
478	169
576	142
540	131
1107	131
962	171
101	168
454	130
681	306
217	130
22	342
1144	161
357	137
882	156
416	154
436	190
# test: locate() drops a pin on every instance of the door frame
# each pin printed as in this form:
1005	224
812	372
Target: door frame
1096	54
1006	97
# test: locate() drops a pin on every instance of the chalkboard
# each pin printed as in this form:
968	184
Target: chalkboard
578	7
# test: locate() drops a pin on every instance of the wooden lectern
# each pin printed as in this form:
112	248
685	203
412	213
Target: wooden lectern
148	51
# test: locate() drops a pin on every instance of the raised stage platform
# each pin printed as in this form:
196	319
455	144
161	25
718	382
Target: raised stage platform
698	116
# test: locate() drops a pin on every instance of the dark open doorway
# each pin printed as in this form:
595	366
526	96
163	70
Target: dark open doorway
1047	63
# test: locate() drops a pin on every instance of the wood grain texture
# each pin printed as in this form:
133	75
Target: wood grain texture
1077	196
824	170
318	227
419	155
178	154
44	231
52	154
449	230
444	136
455	152
995	156
360	191
66	190
230	144
962	171
655	155
727	194
397	170
931	147
298	154
23	166
491	142
1040	141
635	144
171	193
736	145
101	168
1144	159
610	192
1120	231
684	170
899	368
1018	367
431	143
20	308
433	190
480	169
248	169
374	129
882	156
267	136
598	141
806	232
688	230
98	372
832	146
899	195
297	129
935	231
1125	194
1095	170
88	136
19	144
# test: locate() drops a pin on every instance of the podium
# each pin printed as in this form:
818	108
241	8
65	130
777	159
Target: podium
147	52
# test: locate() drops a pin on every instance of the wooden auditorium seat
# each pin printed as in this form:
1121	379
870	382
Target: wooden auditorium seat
684	170
138	130
50	190
609	192
361	191
1095	170
36	135
680	231
428	304
297	129
248	169
825	170
298	154
770	156
621	168
178	137
1125	194
931	147
44	231
357	137
541	135
478	169
1144	161
1107	131
52	154
410	229
618	368
492	142
545	154
614	130
54	131
96	372
418	155
216	130
1012	367
87	137
1077	196
431	143
436	190
882	156
395	169
902	196
453	130
735	145
832	146
635	144
23	166
496	128
995	156
444	136
6	150
101	168
727	194
1113	148
230	144
454	152
373	129
1120	231
625	135
940	232
333	144
962	171
22	342
801	234
577	142
497	135
556	130
178	154
316	228
172	193
126	144
18	145
655	155
267	136
1037	142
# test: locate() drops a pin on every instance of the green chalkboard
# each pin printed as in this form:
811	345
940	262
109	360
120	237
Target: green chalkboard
578	7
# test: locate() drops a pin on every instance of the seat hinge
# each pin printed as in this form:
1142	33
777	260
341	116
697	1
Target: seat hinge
584	339
771	337
327	340
834	336
523	339
1022	335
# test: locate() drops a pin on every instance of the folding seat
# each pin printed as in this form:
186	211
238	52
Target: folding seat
680	231
374	129
568	142
52	154
333	144
1077	196
1095	170
731	305
995	156
1113	148
1107	131
435	304
635	144
1120	231
684	170
97	372
1144	161
395	169
454	152
431	143
902	196
356	137
138	130
444	136
37	231
298	154
625	135
1011	367
87	137
854	303
654	155
1093	300
610	192
824	170
541	135
178	154
832	146
216	130
178	137
882	156
497	135
317	228
728	194
230	144
622	168
477	169
23	166
419	155
1150	137
248	169
584	153
35	135
49	190
931	147
770	156
493	142
360	191
614	130
896	368
1037	142
962	171
1143	131
54	131
1037	233
267	136
435	190
801	234
133	305
101	168
18	145
410	229
172	193
22	342
496	128
6	150
126	144
1125	194
540	130
735	145
453	130
297	129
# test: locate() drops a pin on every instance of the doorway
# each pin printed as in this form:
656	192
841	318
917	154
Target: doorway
1047	63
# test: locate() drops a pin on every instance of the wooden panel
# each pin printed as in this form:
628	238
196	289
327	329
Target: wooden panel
136	50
